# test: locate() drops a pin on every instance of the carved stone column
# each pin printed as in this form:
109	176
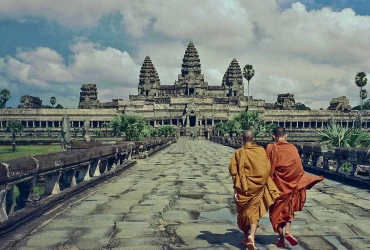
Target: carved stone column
52	183
84	173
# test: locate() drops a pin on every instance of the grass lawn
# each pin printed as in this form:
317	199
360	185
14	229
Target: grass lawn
29	150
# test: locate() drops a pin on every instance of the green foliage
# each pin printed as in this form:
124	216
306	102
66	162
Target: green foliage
106	126
53	100
59	106
248	72
361	79
365	106
244	121
335	135
5	95
134	127
165	130
76	130
301	106
346	167
14	127
97	132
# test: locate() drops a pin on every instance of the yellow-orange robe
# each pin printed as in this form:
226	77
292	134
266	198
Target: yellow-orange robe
250	171
288	174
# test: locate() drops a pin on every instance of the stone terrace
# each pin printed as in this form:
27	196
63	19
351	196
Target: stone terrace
181	199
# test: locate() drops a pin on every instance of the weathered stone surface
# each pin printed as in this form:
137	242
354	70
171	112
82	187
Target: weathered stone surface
173	202
340	103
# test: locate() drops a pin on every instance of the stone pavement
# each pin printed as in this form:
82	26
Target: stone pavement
181	199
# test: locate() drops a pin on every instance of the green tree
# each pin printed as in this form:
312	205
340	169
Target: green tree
106	126
301	106
248	73
59	106
134	127
14	127
5	95
365	106
361	81
165	130
53	100
221	127
97	132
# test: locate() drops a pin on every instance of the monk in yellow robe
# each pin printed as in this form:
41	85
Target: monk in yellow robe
288	174
254	190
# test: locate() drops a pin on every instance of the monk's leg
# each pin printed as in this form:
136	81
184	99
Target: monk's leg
281	232
287	229
246	232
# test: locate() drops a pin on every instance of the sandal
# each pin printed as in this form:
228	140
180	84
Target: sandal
280	244
249	245
290	238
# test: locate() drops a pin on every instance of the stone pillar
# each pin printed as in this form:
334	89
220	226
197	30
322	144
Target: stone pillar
91	124
52	183
154	123
316	124
170	121
3	214
33	124
84	173
71	177
296	124
187	121
213	122
285	124
162	122
94	168
10	200
52	124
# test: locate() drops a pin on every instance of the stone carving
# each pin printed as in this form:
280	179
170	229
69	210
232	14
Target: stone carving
30	102
285	102
65	133
85	130
340	104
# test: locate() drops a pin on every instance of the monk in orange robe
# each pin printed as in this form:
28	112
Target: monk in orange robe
254	190
288	174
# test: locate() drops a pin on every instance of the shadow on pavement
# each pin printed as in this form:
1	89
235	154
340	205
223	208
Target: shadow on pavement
233	238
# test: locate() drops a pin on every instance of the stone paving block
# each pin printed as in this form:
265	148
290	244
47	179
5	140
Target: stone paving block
47	238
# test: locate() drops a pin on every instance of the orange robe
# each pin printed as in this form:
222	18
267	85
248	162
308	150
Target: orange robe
288	174
250	171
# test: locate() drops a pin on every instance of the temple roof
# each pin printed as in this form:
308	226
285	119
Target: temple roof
191	63
233	74
148	73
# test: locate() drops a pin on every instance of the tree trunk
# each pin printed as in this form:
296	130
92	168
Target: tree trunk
13	143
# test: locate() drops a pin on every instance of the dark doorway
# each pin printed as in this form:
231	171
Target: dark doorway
192	120
191	91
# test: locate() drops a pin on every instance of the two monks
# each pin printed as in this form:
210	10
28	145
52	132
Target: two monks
254	190
268	180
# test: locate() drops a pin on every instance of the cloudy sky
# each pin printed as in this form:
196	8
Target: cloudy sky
310	48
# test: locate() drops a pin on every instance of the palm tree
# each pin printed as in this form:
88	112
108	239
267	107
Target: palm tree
4	97
248	73
53	100
361	81
14	127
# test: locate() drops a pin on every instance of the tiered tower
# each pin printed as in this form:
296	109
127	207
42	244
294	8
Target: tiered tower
233	80
88	97
191	77
149	79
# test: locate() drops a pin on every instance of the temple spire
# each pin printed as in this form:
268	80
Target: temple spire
148	73
191	67
233	79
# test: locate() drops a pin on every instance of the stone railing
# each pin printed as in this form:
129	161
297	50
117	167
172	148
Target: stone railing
63	174
319	159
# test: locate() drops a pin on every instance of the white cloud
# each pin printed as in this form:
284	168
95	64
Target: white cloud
44	71
313	54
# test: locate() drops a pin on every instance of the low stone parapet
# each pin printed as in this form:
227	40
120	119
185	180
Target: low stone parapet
63	174
350	164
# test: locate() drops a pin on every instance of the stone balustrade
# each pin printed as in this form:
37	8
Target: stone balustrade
64	174
322	160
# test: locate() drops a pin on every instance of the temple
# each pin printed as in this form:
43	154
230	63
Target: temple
190	103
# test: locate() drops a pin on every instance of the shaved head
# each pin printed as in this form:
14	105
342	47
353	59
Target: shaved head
248	136
279	132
